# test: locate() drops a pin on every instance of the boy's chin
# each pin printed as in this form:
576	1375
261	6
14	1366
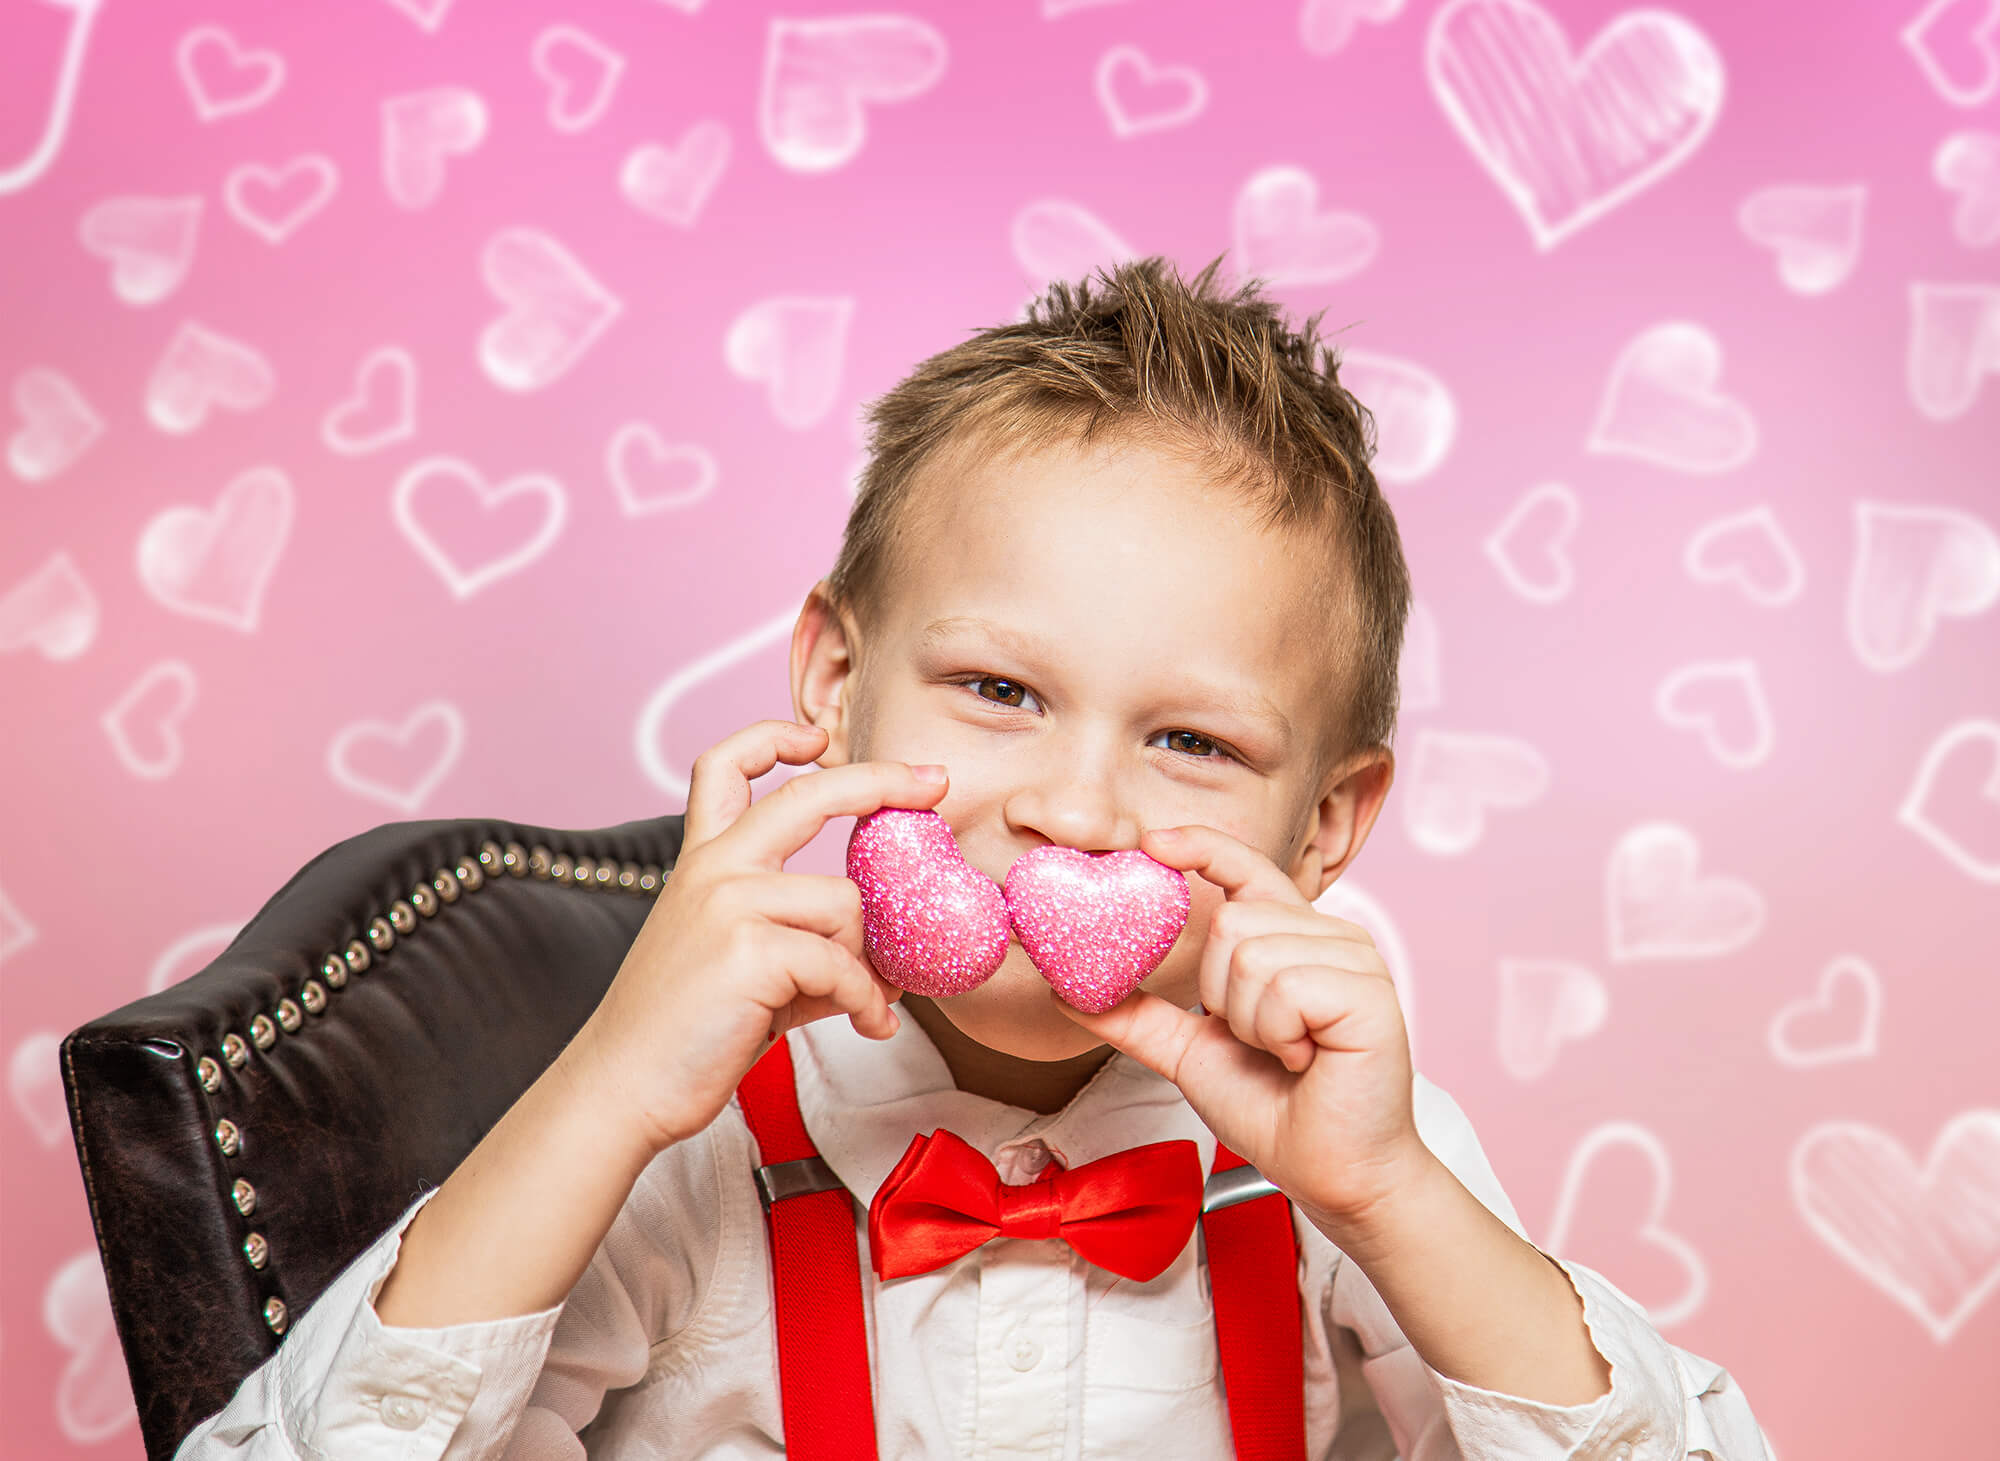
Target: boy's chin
1016	1013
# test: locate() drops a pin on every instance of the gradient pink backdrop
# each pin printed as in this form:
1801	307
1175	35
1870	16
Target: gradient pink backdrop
1683	1123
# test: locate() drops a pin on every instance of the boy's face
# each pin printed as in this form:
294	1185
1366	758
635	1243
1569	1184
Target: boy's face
1094	643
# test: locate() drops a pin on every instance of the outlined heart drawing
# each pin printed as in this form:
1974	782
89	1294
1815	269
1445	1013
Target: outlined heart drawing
1570	138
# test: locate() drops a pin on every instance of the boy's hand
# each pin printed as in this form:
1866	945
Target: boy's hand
1300	1062
736	951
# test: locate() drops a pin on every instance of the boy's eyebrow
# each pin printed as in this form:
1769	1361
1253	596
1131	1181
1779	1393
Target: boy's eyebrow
1248	703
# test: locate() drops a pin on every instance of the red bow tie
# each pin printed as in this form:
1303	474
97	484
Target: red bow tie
1131	1212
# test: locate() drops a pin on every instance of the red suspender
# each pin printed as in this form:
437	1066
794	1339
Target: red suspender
1253	1281
822	1331
822	1336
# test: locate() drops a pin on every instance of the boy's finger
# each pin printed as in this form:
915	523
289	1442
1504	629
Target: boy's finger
719	783
1239	869
790	817
823	903
1153	1031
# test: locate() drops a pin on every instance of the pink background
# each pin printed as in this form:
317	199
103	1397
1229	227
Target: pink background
1804	1194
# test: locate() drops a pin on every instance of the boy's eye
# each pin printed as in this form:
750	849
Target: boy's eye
1012	692
1212	750
1009	696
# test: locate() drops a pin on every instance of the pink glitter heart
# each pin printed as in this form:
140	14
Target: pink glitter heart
931	922
1095	924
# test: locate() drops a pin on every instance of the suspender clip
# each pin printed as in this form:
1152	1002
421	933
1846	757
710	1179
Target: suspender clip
794	1179
1238	1184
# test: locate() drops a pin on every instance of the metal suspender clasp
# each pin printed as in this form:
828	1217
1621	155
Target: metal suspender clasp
794	1179
1238	1184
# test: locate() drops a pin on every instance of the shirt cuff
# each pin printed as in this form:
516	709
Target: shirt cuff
1638	1419
351	1385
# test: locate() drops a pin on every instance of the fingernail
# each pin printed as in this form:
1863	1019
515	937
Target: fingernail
929	772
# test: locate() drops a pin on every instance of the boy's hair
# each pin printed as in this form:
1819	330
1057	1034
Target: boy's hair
1218	378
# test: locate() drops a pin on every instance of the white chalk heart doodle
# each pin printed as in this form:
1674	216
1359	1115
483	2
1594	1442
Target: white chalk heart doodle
494	530
1914	566
383	408
555	310
52	612
1545	1003
1140	97
399	765
144	724
673	184
1570	138
795	347
1838	1021
821	75
57	425
1954	345
149	243
222	78
1724	700
1661	404
1283	236
1455	778
1593	1219
651	475
273	201
1657	908
1954	800
200	370
1815	232
420	132
1968	164
214	563
1750	550
1929	1236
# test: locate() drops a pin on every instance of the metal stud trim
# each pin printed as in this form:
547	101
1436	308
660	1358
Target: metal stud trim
465	875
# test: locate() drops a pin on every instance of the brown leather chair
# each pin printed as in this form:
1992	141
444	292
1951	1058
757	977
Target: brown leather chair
245	1133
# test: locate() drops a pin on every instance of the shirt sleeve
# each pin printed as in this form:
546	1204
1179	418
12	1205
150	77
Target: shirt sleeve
1663	1404
344	1385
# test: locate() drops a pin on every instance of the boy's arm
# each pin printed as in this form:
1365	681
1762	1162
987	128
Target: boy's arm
343	1383
1662	1404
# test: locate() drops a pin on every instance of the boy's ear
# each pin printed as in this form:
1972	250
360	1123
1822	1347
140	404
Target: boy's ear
822	660
1342	819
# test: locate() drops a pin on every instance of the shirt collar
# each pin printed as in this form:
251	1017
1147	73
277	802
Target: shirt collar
862	1101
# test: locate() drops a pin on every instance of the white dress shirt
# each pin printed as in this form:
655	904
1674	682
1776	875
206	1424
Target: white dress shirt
666	1345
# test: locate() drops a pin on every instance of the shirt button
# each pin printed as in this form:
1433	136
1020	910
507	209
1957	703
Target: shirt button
404	1412
1623	1453
1025	1353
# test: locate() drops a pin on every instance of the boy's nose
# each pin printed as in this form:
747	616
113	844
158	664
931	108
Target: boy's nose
1074	803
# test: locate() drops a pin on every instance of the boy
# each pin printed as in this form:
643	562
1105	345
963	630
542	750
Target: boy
1117	576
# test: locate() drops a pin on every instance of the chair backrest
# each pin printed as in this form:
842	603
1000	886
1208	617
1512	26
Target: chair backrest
245	1133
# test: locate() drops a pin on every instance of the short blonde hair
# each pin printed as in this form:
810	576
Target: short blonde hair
1149	355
